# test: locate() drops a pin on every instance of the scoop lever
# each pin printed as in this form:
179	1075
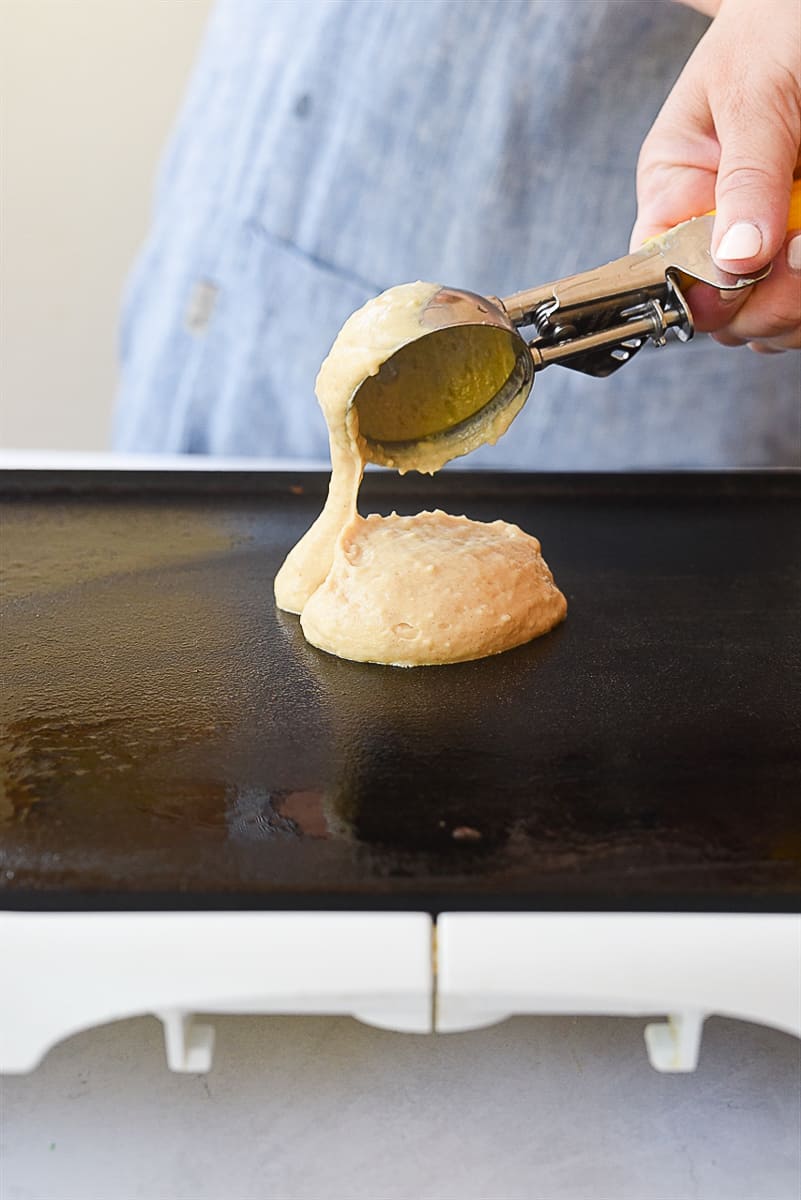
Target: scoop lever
596	321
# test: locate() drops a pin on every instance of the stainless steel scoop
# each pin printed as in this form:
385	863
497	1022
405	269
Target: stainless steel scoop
471	351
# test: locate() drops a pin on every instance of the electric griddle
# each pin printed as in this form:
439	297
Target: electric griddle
606	819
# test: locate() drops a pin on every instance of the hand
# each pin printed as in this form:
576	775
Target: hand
729	137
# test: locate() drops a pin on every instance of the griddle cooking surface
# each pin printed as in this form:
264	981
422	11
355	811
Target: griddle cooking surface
173	742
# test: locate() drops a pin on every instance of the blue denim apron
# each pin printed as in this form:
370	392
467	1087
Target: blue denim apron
328	149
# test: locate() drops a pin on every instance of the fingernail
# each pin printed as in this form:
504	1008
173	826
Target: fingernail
742	240
794	254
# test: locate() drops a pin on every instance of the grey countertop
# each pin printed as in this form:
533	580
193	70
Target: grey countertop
327	1109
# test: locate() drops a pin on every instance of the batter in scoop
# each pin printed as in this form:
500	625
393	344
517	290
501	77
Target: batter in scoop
405	591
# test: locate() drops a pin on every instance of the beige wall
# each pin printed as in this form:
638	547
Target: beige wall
88	89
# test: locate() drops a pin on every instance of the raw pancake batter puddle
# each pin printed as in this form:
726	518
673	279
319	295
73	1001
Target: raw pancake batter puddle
406	591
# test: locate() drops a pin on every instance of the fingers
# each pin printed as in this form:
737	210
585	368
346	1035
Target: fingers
767	318
678	161
769	310
668	194
713	310
758	151
774	345
755	99
773	309
779	345
728	136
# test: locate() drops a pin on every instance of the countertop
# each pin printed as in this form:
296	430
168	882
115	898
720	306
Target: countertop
327	1109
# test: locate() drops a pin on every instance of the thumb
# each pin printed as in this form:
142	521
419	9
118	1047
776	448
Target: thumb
759	139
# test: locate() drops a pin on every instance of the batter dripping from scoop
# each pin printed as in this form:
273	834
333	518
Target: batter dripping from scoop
406	591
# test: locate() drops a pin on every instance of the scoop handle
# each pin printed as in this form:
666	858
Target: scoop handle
794	215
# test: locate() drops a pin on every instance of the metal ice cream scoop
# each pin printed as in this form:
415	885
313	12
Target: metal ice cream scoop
478	365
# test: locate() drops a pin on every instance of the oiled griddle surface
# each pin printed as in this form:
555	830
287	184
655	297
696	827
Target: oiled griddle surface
171	740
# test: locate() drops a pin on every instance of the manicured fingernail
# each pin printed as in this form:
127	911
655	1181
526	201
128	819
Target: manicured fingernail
794	254
742	240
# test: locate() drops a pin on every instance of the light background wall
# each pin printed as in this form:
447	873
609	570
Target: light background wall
88	91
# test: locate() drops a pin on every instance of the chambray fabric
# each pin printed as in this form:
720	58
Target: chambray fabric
328	149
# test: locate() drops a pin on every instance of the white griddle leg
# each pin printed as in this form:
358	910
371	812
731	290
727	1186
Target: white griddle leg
674	1045
189	1045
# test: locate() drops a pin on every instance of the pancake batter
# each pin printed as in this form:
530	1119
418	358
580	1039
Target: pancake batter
406	591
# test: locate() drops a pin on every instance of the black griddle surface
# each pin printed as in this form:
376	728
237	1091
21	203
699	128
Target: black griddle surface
172	741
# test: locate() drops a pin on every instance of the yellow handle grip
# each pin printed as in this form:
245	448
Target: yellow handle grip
794	215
